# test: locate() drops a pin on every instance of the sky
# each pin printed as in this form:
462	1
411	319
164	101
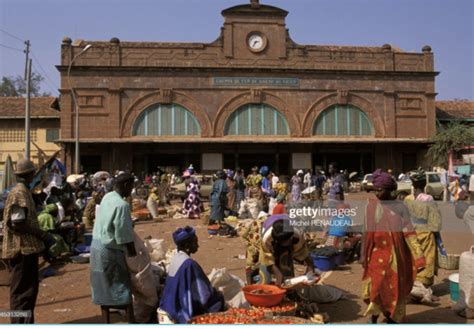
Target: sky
446	25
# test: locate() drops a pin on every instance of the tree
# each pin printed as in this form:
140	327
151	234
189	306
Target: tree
453	137
16	86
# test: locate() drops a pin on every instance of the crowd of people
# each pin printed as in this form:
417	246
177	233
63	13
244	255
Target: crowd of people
400	241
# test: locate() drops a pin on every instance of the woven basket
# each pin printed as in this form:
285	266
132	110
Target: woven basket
449	262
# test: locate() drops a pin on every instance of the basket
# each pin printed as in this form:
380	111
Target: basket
273	311
283	320
221	318
449	262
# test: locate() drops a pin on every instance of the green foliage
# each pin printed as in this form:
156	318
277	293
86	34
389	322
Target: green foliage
16	86
453	137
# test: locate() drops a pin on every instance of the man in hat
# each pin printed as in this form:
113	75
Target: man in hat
112	241
23	240
188	292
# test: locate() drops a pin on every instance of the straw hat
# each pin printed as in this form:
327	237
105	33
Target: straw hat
24	166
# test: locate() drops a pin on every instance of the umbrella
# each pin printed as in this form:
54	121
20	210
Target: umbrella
101	175
9	178
353	174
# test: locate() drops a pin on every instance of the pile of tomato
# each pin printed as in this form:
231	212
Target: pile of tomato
273	321
219	318
253	313
283	307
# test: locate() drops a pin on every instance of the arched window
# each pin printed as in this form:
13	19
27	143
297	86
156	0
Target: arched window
166	120
343	120
256	119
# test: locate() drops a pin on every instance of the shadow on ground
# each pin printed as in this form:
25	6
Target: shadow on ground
350	306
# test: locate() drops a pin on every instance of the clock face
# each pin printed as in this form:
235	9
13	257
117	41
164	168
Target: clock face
256	42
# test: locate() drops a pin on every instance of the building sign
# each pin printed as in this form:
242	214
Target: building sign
212	161
301	161
274	82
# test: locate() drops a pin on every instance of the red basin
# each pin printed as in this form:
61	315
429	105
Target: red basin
263	294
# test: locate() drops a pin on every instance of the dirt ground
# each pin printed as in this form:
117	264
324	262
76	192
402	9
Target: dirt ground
66	297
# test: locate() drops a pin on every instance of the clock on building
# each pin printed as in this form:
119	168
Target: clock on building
256	41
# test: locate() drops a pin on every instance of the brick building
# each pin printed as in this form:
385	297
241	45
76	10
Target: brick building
253	96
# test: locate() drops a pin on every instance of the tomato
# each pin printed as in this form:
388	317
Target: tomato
282	308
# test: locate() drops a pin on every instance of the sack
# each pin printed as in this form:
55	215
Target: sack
144	286
142	259
466	278
321	294
156	249
229	285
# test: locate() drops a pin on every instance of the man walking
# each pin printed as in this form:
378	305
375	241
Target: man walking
23	240
112	242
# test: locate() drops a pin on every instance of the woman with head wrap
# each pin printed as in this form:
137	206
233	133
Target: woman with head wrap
279	248
231	193
192	203
426	218
218	198
88	216
252	235
240	187
280	204
152	202
391	255
188	292
254	195
296	186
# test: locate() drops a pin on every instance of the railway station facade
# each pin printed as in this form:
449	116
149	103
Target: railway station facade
251	97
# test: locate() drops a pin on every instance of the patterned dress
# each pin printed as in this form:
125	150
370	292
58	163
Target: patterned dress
426	219
296	185
391	258
192	204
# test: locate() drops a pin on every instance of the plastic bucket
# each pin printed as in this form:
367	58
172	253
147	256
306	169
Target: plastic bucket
454	286
324	263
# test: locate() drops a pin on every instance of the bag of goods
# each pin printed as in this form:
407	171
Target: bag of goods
156	249
465	305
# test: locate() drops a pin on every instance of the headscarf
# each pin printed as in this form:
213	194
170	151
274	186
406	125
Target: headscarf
418	175
52	207
183	234
230	173
221	174
264	171
191	169
383	180
280	198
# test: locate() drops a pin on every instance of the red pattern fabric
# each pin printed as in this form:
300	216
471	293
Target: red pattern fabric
384	240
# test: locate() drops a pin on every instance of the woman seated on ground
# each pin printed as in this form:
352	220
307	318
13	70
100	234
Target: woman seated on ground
48	222
280	247
188	292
